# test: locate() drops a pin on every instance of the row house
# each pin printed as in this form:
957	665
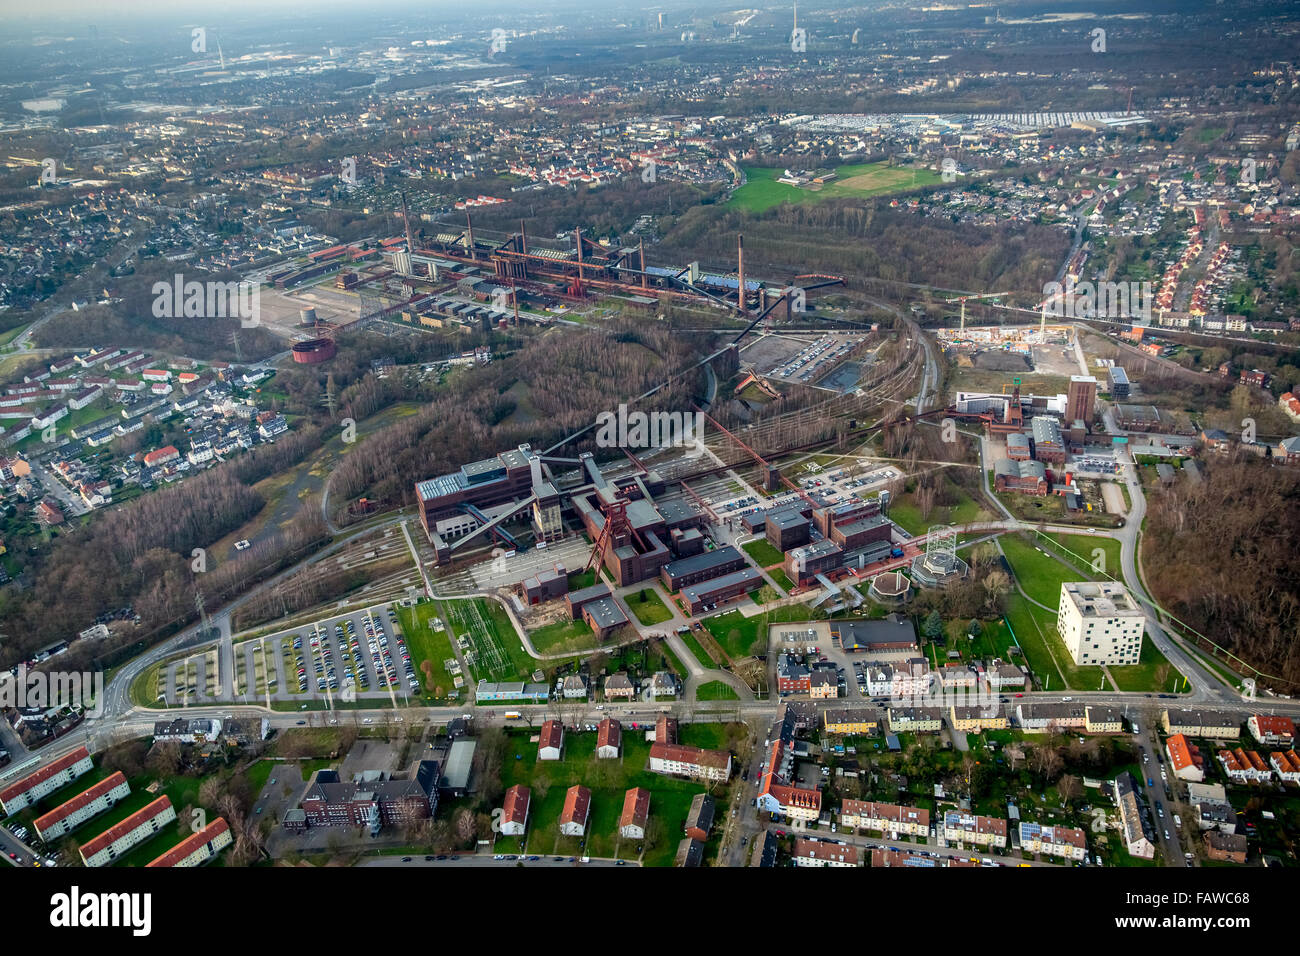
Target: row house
915	719
197	848
1272	731
887	818
849	722
681	761
41	783
1201	723
139	827
1286	765
1065	842
1244	766
66	817
976	719
818	853
973	829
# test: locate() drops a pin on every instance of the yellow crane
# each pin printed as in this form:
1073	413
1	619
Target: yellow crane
962	299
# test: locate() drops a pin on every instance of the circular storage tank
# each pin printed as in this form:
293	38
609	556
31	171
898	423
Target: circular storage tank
313	351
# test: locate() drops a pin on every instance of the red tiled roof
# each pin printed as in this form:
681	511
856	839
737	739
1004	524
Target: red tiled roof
45	773
680	753
191	843
551	735
609	733
515	809
576	803
636	807
84	799
115	833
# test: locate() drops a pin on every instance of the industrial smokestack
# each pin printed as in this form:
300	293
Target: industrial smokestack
469	234
577	239
640	245
740	255
523	238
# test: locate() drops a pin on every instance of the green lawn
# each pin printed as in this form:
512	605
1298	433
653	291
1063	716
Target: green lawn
716	690
1078	550
1035	630
1040	574
609	780
563	635
736	633
428	646
1152	673
904	512
648	606
762	191
698	650
763	553
783	579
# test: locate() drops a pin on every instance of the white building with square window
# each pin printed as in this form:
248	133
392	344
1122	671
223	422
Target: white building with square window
1100	623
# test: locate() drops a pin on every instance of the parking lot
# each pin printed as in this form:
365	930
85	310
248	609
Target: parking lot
360	655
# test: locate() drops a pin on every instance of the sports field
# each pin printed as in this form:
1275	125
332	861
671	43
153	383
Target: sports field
762	191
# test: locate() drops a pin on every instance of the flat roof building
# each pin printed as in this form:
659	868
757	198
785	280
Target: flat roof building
1100	623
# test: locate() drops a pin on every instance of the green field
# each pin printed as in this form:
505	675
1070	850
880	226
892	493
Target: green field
563	635
1035	630
904	512
1040	574
1078	550
763	553
736	633
715	690
762	191
648	607
698	650
609	780
428	647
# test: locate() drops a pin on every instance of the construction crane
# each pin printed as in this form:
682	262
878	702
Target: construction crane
962	299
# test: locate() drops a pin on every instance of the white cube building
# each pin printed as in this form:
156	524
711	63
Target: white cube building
1100	623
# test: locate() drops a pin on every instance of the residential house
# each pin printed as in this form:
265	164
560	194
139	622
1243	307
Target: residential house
550	743
887	818
850	722
514	813
636	814
609	739
1201	723
1286	765
974	830
619	687
822	685
1225	847
1066	842
1139	839
689	853
1185	759
699	820
915	719
574	687
974	720
818	853
577	807
1272	731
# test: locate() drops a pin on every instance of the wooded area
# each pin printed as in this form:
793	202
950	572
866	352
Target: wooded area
1221	556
